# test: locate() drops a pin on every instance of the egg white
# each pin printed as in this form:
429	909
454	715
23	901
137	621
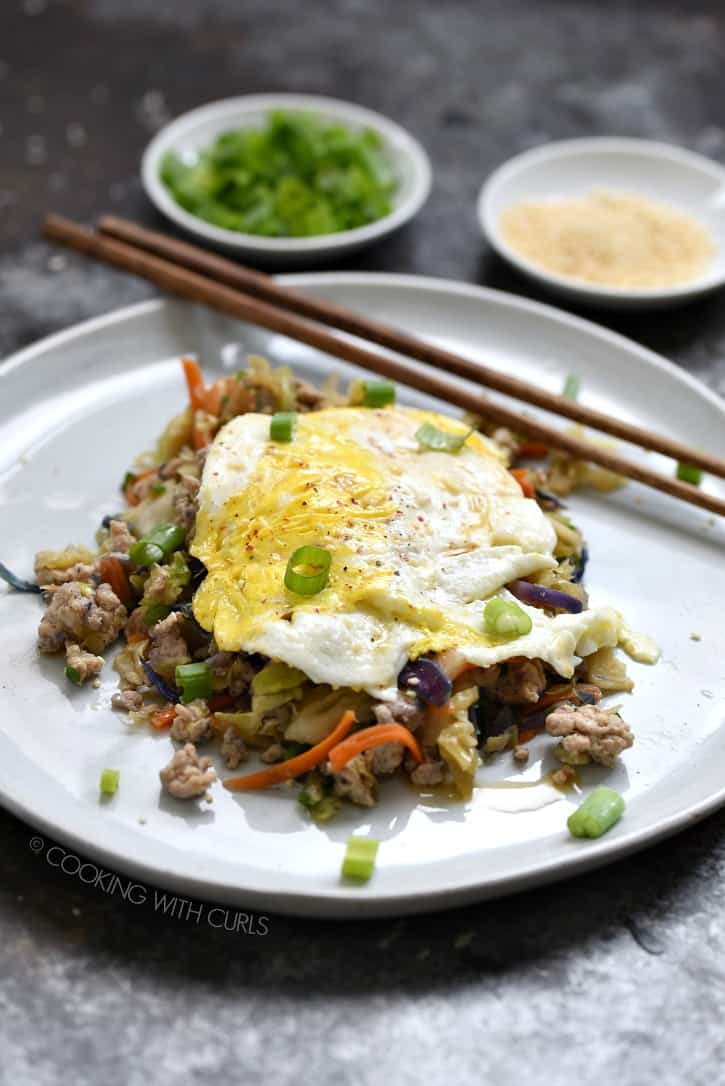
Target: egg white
420	541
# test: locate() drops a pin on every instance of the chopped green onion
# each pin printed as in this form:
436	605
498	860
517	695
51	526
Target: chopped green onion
313	791
156	489
440	440
195	681
157	545
178	570
154	613
359	861
307	570
505	619
687	473
74	675
109	781
571	387
282	426
128	478
240	375
378	393
597	814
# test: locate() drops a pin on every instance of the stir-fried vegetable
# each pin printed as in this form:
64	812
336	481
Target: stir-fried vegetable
538	595
597	814
427	680
373	736
359	860
167	691
302	763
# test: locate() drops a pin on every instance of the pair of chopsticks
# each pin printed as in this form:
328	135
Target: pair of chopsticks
203	277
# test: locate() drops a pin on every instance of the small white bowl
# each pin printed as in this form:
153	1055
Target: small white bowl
686	181
194	131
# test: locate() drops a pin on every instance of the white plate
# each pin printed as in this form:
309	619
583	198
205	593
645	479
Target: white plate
74	410
686	181
194	131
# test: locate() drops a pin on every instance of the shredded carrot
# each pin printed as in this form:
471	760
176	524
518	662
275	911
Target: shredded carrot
521	475
194	383
528	734
218	702
302	763
112	572
213	396
163	718
374	736
128	490
134	638
534	450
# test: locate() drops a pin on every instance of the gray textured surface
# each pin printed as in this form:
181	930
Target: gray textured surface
618	974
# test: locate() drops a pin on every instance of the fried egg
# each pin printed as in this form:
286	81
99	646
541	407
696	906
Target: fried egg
419	541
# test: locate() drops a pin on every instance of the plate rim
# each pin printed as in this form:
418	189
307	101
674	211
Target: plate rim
336	901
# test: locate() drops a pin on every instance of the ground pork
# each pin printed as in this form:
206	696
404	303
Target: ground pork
192	722
233	748
81	572
521	753
355	782
120	538
187	775
129	700
92	618
401	710
306	395
428	773
186	503
168	647
384	759
588	734
86	664
522	684
272	754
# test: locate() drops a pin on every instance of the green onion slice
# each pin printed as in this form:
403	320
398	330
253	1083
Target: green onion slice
378	393
109	781
359	860
440	440
688	473
571	387
195	681
282	426
597	814
505	619
307	570
157	545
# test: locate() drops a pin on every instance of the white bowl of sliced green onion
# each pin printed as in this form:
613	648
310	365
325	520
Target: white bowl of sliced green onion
286	179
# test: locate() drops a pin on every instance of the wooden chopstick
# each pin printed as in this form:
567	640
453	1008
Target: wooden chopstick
266	288
197	288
